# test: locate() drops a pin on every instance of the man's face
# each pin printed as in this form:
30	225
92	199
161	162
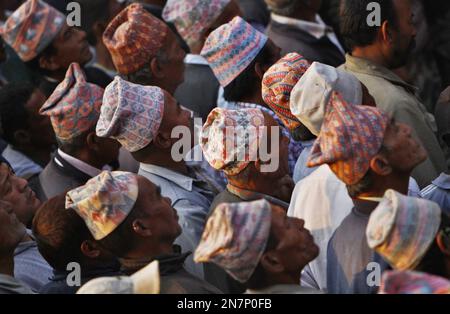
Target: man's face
174	115
173	64
12	230
40	128
15	190
161	217
405	152
71	46
295	244
404	33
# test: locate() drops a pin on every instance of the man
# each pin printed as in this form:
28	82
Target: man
295	26
30	136
370	152
95	17
240	75
11	234
277	84
258	245
62	239
411	234
291	86
157	61
30	267
40	36
195	20
375	52
142	119
74	109
250	176
138	226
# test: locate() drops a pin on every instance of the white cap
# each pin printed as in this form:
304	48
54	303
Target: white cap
311	94
144	281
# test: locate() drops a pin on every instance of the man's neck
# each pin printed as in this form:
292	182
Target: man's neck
372	54
7	264
396	182
164	160
304	15
263	186
86	156
149	251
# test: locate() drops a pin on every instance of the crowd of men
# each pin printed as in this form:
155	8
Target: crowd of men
321	163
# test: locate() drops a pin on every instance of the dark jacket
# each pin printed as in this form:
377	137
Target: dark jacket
174	278
199	90
57	178
292	39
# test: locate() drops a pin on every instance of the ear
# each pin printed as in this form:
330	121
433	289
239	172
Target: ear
48	63
92	141
156	69
163	140
380	165
140	228
89	249
386	33
22	137
271	263
260	70
443	242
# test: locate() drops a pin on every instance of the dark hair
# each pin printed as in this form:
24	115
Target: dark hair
34	65
258	278
93	11
74	145
366	183
434	260
119	241
248	82
354	28
13	114
59	233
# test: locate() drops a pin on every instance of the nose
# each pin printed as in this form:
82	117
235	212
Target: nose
82	34
22	184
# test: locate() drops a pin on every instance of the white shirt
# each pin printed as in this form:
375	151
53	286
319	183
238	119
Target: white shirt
23	166
322	200
195	59
317	29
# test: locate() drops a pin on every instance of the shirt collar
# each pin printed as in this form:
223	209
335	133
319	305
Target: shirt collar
179	179
443	181
364	66
195	59
80	165
316	29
